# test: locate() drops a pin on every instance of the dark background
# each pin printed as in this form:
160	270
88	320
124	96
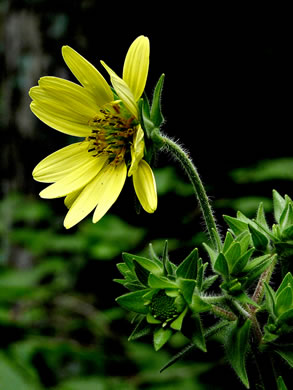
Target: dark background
225	99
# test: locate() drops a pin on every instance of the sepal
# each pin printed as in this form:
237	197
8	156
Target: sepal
237	343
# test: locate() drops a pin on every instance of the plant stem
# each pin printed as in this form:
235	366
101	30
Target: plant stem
198	187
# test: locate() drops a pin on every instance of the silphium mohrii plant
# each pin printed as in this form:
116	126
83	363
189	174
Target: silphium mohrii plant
230	288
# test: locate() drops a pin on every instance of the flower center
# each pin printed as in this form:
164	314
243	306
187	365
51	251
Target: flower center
112	132
163	307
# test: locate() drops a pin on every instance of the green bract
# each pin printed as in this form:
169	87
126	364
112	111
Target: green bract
164	295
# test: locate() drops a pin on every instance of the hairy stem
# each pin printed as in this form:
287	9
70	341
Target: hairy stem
198	187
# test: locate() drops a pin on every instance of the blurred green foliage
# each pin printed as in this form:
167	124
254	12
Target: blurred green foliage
61	328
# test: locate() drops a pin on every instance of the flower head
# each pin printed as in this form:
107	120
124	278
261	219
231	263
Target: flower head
91	174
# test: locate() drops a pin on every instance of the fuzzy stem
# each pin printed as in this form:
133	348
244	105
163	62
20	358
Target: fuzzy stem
198	187
264	277
223	313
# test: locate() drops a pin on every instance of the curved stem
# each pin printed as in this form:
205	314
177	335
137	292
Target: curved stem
198	187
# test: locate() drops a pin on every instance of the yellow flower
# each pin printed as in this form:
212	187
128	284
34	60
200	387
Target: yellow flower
91	174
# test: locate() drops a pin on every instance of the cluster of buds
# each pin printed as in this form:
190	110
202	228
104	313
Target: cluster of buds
165	297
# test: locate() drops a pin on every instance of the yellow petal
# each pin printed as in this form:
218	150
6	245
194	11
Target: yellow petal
71	198
123	91
109	190
61	119
136	66
60	163
103	190
77	179
137	150
88	76
69	92
145	187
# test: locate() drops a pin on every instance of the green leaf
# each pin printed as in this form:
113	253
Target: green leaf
244	240
241	263
198	305
161	282
279	205
255	267
133	301
286	218
192	329
177	324
236	347
187	287
211	252
200	274
287	281
286	354
286	317
141	273
258	261
221	265
148	264
284	300
161	336
188	268
270	299
228	241
197	335
235	224
260	241
12	377
281	384
177	357
167	265
287	233
156	112
207	283
142	329
233	254
260	217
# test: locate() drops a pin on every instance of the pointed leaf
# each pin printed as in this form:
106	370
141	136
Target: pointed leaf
286	317
260	241
211	252
208	282
148	264
244	240
177	324
281	384
287	355
235	224
161	336
198	305
156	112
288	280
168	269
228	241
236	346
260	217
141	273
259	267
242	262
142	329
177	357
279	205
221	265
233	254
284	300
160	282
188	268
187	287
198	336
270	299
133	301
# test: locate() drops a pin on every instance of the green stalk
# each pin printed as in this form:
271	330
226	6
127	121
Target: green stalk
196	182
